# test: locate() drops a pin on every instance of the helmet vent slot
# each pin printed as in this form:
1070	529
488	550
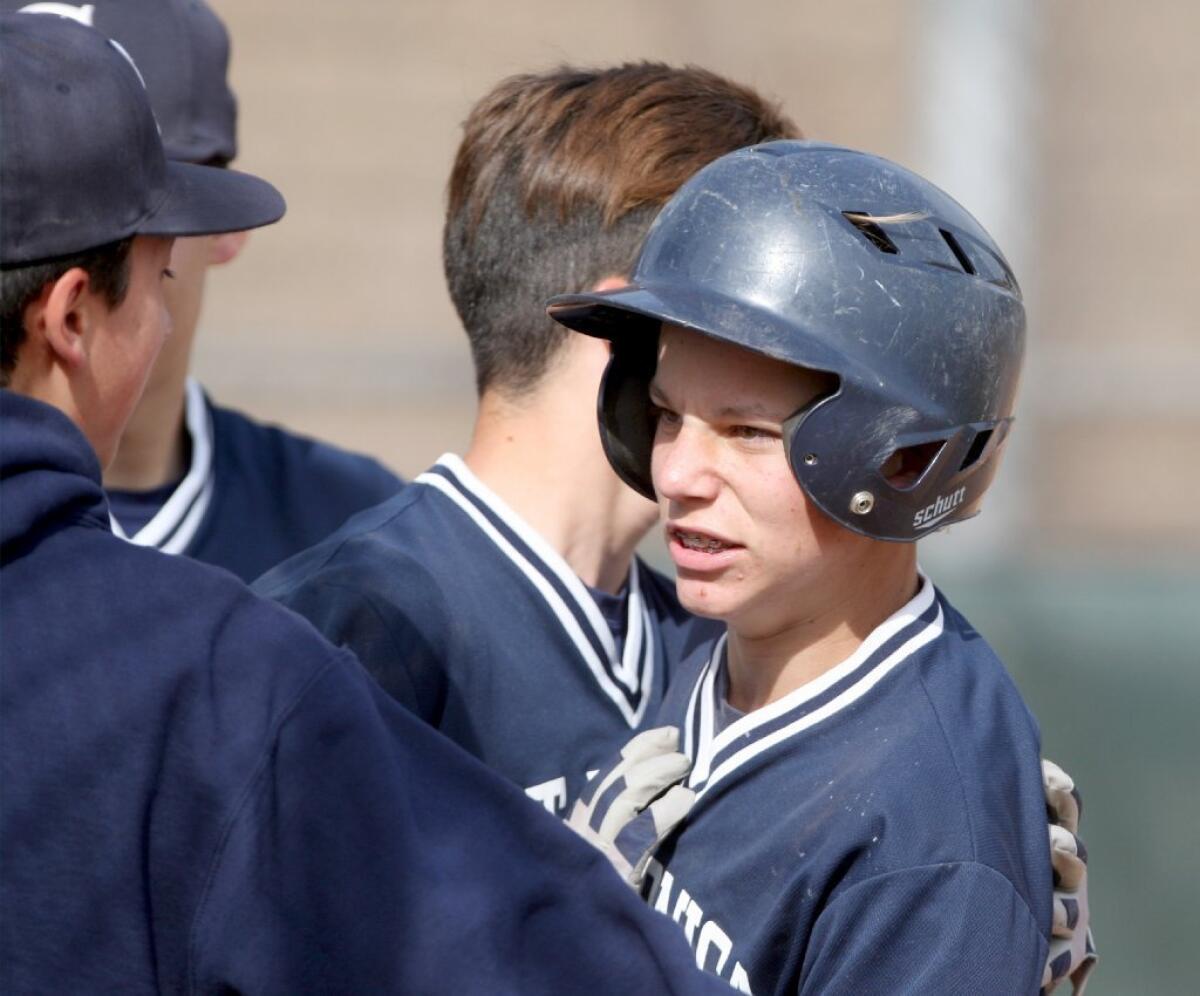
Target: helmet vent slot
959	253
904	469
978	445
874	234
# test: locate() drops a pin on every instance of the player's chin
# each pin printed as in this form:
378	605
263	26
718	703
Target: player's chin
714	597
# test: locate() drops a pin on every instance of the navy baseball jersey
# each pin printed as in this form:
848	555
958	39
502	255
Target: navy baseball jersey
469	617
879	830
253	494
201	795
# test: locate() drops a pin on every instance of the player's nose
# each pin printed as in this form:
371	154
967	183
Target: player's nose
684	465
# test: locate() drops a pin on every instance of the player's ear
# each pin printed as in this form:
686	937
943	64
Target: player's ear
63	315
226	247
611	282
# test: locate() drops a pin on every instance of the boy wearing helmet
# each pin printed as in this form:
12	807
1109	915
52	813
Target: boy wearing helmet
814	365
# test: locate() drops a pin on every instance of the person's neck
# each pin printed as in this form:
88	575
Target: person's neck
154	446
553	473
837	615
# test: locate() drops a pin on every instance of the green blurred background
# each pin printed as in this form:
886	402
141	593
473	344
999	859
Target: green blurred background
1106	656
1070	128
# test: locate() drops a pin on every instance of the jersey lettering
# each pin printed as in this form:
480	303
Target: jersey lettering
551	794
708	939
712	936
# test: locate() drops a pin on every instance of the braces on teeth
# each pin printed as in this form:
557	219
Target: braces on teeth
694	542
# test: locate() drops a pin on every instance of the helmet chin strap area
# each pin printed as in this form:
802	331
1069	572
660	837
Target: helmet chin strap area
624	409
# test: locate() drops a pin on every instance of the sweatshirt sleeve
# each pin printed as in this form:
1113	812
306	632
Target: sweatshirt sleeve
946	928
369	854
398	627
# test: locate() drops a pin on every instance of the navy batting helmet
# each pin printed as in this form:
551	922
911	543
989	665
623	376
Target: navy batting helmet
842	262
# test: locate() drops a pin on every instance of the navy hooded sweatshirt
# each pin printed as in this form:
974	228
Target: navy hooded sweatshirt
200	794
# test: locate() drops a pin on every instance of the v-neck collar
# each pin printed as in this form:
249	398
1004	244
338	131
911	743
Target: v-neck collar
625	678
175	524
717	756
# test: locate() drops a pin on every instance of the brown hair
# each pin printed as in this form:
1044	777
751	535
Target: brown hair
555	183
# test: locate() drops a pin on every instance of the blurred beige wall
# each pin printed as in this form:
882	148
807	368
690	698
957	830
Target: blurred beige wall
336	322
1119	392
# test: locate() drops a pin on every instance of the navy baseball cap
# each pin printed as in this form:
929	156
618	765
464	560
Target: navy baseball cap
81	160
181	48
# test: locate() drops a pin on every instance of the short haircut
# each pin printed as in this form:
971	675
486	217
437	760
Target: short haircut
107	267
555	184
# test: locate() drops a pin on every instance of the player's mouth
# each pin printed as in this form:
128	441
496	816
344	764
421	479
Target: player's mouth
699	550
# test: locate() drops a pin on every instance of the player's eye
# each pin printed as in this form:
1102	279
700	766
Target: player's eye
753	434
663	416
168	273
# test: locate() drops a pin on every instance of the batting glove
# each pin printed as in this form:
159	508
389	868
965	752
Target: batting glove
1072	952
628	810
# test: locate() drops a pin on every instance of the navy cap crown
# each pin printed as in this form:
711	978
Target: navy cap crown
82	162
81	158
182	52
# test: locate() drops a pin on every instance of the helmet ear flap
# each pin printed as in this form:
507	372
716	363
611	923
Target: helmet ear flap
626	416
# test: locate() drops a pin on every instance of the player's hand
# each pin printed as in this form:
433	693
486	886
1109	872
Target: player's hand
1072	953
629	809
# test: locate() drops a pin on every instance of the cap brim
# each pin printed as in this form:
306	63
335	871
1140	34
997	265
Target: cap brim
206	200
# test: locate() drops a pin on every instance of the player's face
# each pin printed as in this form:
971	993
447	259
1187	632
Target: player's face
126	341
190	260
746	541
189	263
